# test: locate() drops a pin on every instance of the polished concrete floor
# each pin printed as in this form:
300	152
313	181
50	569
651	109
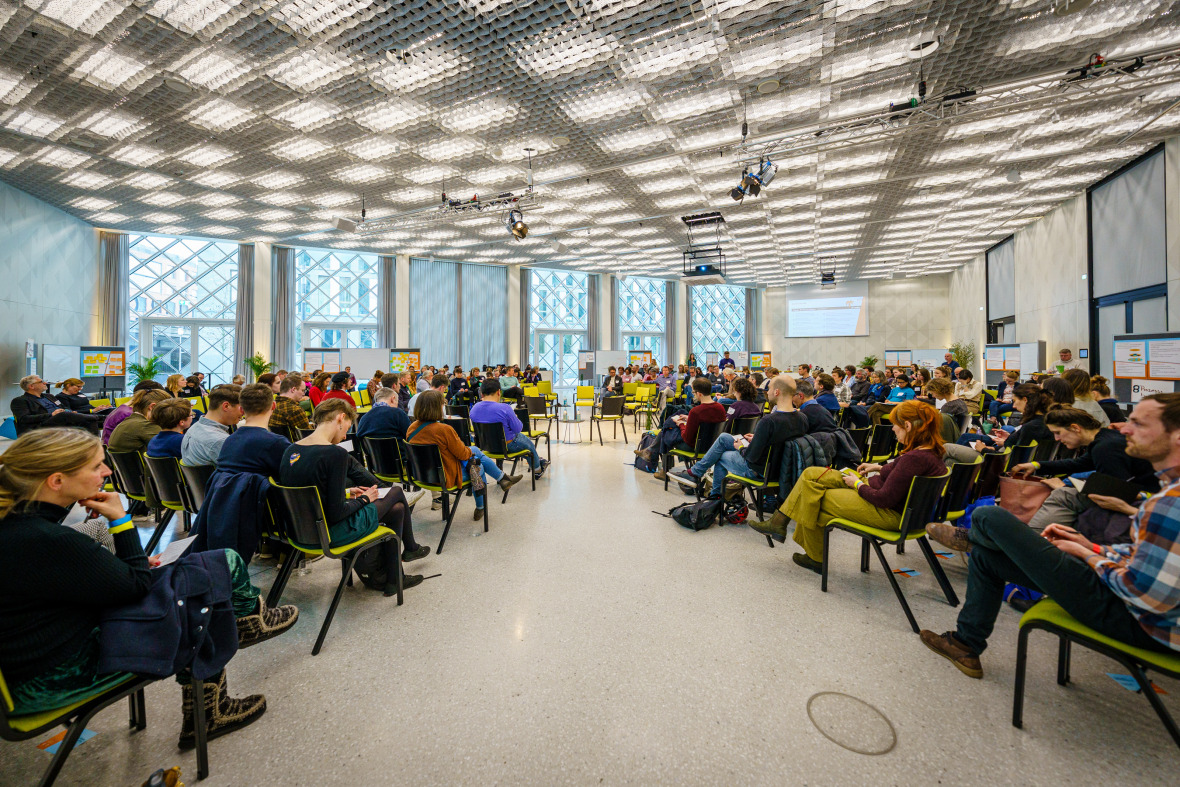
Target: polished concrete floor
586	640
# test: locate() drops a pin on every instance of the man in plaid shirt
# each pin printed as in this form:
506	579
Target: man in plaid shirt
287	413
1129	592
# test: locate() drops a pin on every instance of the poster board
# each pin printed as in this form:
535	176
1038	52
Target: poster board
759	360
402	360
365	360
895	358
741	359
1012	359
711	358
60	362
993	359
930	358
325	358
642	357
103	363
1145	364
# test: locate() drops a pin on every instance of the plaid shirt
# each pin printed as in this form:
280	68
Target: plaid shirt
288	415
1145	574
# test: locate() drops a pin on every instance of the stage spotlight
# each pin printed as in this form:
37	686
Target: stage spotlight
753	182
514	223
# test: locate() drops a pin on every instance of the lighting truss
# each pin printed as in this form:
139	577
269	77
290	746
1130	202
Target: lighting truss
452	210
1117	77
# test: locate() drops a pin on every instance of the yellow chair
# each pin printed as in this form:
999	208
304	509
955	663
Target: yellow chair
584	396
100	402
629	390
530	390
545	388
122	400
356	398
198	403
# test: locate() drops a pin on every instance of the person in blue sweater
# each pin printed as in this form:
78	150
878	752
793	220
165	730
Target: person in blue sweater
826	397
900	392
385	419
173	416
490	410
878	392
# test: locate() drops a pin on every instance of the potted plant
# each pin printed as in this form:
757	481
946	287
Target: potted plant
258	365
146	369
867	361
963	353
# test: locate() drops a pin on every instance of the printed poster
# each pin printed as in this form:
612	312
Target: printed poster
1164	359
1012	359
1142	388
1130	359
759	361
404	360
104	363
993	359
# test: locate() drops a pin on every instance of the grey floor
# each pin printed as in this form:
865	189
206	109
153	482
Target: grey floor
586	640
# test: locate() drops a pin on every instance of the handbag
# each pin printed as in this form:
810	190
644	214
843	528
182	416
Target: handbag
1022	496
475	477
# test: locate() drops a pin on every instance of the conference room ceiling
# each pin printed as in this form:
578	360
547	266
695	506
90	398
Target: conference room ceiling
264	119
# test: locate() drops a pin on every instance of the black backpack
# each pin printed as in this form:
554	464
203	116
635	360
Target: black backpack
649	443
696	516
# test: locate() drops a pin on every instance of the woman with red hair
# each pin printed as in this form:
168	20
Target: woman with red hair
823	494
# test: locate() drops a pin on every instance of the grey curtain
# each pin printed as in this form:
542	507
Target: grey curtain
282	261
434	310
483	295
115	251
386	300
593	288
670	322
244	322
688	295
616	339
753	319
526	316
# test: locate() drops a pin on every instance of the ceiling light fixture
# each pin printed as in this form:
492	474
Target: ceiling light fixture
768	86
514	223
924	48
1013	176
560	141
177	86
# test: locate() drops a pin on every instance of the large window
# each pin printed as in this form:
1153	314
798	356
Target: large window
718	319
559	311
336	299
642	315
183	297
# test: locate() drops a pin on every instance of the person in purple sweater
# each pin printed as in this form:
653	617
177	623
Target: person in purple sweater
823	494
491	410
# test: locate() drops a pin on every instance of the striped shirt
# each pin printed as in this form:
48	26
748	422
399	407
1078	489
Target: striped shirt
1145	574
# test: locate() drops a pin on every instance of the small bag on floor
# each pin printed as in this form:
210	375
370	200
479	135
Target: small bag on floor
696	516
647	455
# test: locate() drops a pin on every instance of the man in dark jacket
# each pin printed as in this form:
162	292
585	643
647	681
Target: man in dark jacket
819	418
385	419
36	408
860	387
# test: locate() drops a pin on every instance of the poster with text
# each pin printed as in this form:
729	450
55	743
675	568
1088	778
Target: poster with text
104	363
404	360
759	360
1130	359
639	357
1163	357
993	359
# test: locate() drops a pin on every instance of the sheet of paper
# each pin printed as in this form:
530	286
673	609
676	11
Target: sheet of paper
891	358
1142	388
346	445
1164	357
905	358
993	358
1012	358
383	491
1130	359
175	550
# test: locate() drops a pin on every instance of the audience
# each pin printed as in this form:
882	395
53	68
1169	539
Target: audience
745	401
819	418
404	392
339	389
1100	389
680	430
1067	360
173	416
438	383
173	384
319	387
490	410
136	431
288	418
202	442
69	397
270	380
1003	404
1128	592
1083	398
612	383
37	408
952	409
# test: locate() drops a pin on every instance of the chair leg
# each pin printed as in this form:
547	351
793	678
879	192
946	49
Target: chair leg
1063	648
623	426
140	707
823	570
896	587
158	533
200	728
1021	667
943	582
1156	704
599	433
280	583
348	564
864	555
449	515
485	519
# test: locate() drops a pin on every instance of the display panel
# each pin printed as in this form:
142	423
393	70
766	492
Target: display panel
104	363
842	310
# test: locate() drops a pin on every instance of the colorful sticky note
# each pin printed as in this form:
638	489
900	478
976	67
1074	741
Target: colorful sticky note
54	743
906	572
1129	683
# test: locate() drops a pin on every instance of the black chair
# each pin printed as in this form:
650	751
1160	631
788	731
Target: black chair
989	474
609	408
744	424
285	431
860	437
197	478
385	459
170	485
134	480
493	441
300	521
706	435
461	426
882	443
427	472
958	490
538	411
920	504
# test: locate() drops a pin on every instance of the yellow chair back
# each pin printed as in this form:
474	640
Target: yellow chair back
122	400
530	390
100	402
356	398
585	392
545	387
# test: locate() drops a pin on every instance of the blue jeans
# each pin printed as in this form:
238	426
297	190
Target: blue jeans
522	443
998	408
487	466
724	459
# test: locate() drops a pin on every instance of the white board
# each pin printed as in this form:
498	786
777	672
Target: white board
930	359
60	362
365	361
604	359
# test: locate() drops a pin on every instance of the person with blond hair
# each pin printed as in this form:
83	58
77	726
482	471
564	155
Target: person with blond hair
822	494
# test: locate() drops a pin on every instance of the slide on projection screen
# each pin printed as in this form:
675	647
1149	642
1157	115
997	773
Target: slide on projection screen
842	310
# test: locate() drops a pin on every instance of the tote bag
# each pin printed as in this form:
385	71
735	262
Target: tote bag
1022	495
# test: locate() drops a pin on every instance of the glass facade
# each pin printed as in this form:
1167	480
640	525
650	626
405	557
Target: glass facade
337	299
559	310
718	319
183	299
642	311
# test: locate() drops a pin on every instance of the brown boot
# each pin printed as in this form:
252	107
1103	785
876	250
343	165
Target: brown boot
265	623
775	527
949	536
949	647
223	713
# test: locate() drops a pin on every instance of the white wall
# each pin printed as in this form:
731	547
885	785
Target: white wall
903	314
968	316
49	266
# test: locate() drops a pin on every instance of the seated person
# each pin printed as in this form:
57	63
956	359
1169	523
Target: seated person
510	385
825	385
763	448
803	374
404	392
490	410
458	383
339	389
969	389
819	418
192	387
234	510
900	392
1128	592
202	442
385	419
1003	403
117	415
953	410
69	396
860	388
745	403
289	417
438	383
823	494
1105	452
613	384
55	584
1083	395
36	408
428	428
680	431
353	513
173	416
137	430
319	388
1099	388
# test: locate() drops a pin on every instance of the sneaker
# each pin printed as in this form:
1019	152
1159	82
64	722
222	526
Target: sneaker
478	514
414	497
947	646
802	559
540	471
415	554
408	581
949	536
508	481
775	527
686	476
265	623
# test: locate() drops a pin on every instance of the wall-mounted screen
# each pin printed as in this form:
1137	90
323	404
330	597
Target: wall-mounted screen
842	310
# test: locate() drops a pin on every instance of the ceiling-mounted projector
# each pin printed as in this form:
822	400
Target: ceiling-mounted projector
704	261
703	274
